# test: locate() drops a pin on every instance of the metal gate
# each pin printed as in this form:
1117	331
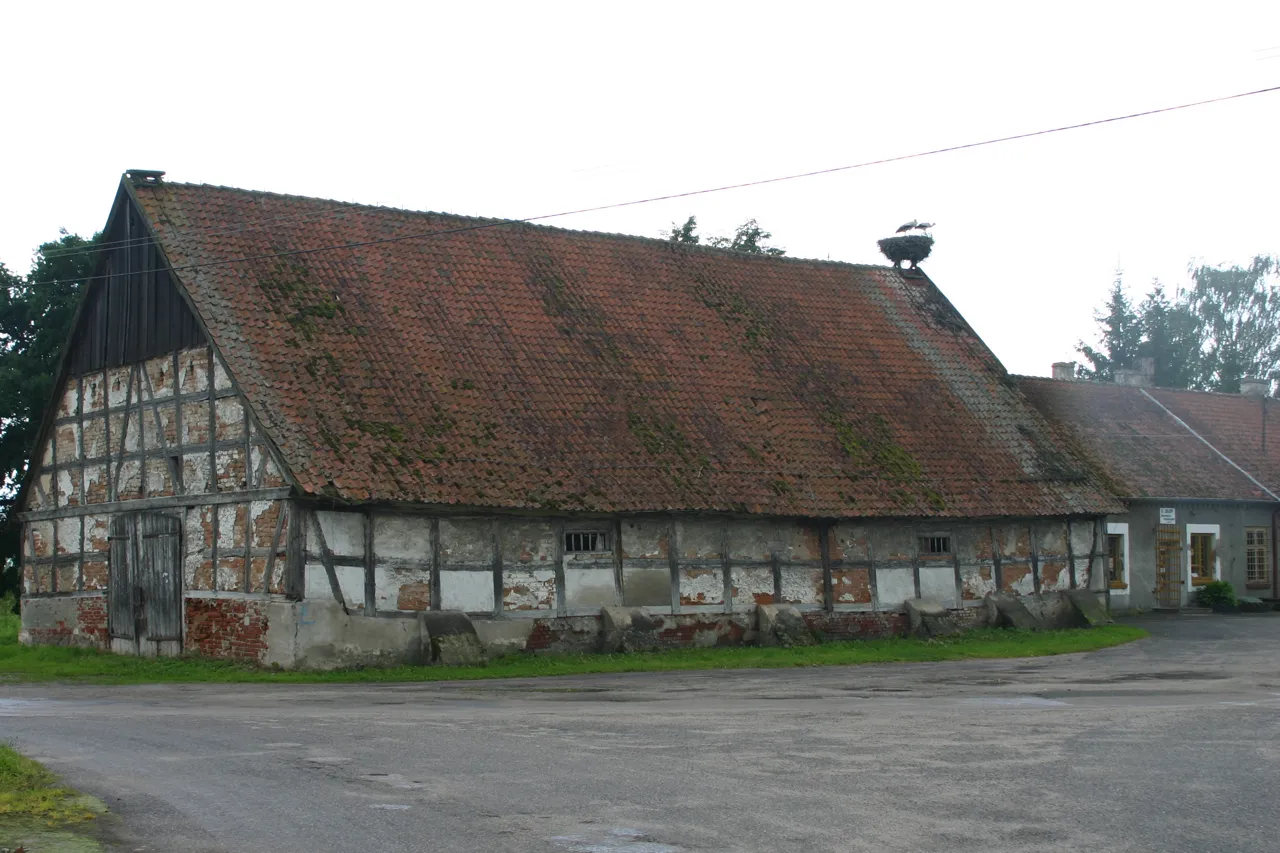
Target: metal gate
145	591
1168	567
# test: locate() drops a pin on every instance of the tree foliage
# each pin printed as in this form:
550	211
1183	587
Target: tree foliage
1120	334
749	237
1224	327
686	233
1239	310
35	317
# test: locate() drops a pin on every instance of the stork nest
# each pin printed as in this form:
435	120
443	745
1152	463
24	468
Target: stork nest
912	248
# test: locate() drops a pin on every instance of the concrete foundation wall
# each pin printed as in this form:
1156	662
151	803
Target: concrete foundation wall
320	635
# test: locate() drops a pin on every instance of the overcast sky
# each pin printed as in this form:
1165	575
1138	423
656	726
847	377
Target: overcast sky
514	110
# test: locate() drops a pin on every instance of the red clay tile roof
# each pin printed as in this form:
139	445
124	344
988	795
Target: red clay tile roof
537	368
1147	454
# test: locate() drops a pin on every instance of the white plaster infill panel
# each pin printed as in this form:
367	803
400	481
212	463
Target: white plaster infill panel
589	589
404	537
470	592
1216	531
938	583
893	587
350	581
343	533
1121	528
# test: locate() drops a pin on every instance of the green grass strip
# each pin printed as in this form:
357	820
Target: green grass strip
48	663
28	790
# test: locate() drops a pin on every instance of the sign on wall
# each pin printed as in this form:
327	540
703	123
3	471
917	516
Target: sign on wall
1167	515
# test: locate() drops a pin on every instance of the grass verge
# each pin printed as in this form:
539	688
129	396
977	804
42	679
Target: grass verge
29	791
49	663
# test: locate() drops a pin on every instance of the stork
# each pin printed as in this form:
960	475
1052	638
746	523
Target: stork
914	225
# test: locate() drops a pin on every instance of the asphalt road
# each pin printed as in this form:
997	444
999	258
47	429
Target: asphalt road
1169	744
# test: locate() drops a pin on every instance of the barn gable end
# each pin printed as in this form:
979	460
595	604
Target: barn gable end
147	423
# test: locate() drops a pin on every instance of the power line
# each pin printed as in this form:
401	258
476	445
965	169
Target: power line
691	193
357	208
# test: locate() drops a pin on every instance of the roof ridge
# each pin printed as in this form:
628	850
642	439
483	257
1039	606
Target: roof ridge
498	220
1095	383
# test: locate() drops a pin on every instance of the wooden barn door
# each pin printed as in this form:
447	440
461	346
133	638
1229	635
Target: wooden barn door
145	591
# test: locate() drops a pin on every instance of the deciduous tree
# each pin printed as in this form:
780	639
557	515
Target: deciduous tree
748	237
35	317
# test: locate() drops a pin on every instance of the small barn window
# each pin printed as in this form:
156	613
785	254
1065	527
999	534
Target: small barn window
935	546
585	541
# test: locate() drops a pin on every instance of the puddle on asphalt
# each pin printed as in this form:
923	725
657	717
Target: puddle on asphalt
1165	675
1020	701
10	707
395	780
615	841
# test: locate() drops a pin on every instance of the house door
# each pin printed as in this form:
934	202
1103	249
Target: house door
145	591
1168	567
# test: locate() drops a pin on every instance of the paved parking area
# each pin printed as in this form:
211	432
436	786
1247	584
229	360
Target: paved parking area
1169	744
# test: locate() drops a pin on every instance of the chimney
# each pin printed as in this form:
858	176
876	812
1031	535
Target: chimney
1142	376
141	177
1255	387
1064	370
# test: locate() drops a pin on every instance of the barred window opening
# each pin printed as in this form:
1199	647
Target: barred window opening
585	541
935	546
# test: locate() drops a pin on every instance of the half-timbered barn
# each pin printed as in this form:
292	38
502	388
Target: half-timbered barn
288	430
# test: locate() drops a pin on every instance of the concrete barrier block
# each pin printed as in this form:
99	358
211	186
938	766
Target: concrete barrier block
501	637
1088	608
928	618
451	637
628	629
782	625
1012	612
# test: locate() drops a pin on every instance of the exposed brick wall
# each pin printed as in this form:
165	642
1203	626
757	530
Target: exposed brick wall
231	629
571	634
971	617
93	620
704	629
856	625
88	626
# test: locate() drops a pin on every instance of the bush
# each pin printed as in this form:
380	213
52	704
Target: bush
1216	593
10	624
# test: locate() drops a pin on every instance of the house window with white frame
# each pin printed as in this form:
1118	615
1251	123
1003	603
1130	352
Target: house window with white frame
1118	556
1202	553
1257	556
